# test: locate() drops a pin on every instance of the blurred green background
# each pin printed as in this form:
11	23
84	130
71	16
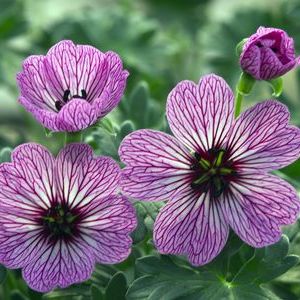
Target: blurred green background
161	42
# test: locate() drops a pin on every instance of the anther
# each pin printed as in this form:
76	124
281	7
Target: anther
66	96
58	105
83	94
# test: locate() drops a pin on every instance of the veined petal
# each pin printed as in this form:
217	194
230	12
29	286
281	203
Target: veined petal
250	60
34	85
106	226
201	115
58	265
72	86
76	67
267	54
257	205
27	182
157	165
81	178
76	115
192	225
47	118
108	97
272	67
261	138
20	239
82	67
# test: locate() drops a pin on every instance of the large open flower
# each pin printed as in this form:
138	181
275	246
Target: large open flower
214	173
72	86
58	217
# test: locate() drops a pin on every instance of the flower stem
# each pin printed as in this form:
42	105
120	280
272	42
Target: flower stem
238	103
73	137
243	88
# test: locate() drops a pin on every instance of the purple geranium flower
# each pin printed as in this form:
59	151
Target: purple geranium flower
58	217
214	173
72	86
267	54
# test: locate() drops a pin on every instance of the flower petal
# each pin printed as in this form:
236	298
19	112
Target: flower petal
106	225
27	182
262	139
201	115
59	265
111	93
192	225
47	118
257	205
20	239
82	67
81	178
73	68
272	67
76	115
250	61
157	165
34	85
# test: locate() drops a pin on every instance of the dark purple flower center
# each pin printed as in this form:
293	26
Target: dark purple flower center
274	41
213	172
274	48
67	97
59	222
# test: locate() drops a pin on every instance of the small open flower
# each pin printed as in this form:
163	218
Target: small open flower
58	217
267	54
72	86
214	173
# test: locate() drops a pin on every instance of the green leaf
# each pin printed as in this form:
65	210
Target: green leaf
102	275
107	125
239	46
70	292
3	273
5	155
117	287
141	230
96	293
152	210
164	279
48	132
126	128
236	274
277	86
245	84
267	264
16	295
138	101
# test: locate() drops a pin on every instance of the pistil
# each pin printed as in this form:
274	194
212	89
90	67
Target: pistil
213	172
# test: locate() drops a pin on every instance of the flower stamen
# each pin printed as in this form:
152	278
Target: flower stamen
59	104
59	222
213	172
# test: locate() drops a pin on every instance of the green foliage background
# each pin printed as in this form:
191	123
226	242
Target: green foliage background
161	42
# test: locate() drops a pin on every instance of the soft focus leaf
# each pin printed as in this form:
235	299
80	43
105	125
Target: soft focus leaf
141	230
16	295
96	293
2	274
117	287
277	86
5	155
